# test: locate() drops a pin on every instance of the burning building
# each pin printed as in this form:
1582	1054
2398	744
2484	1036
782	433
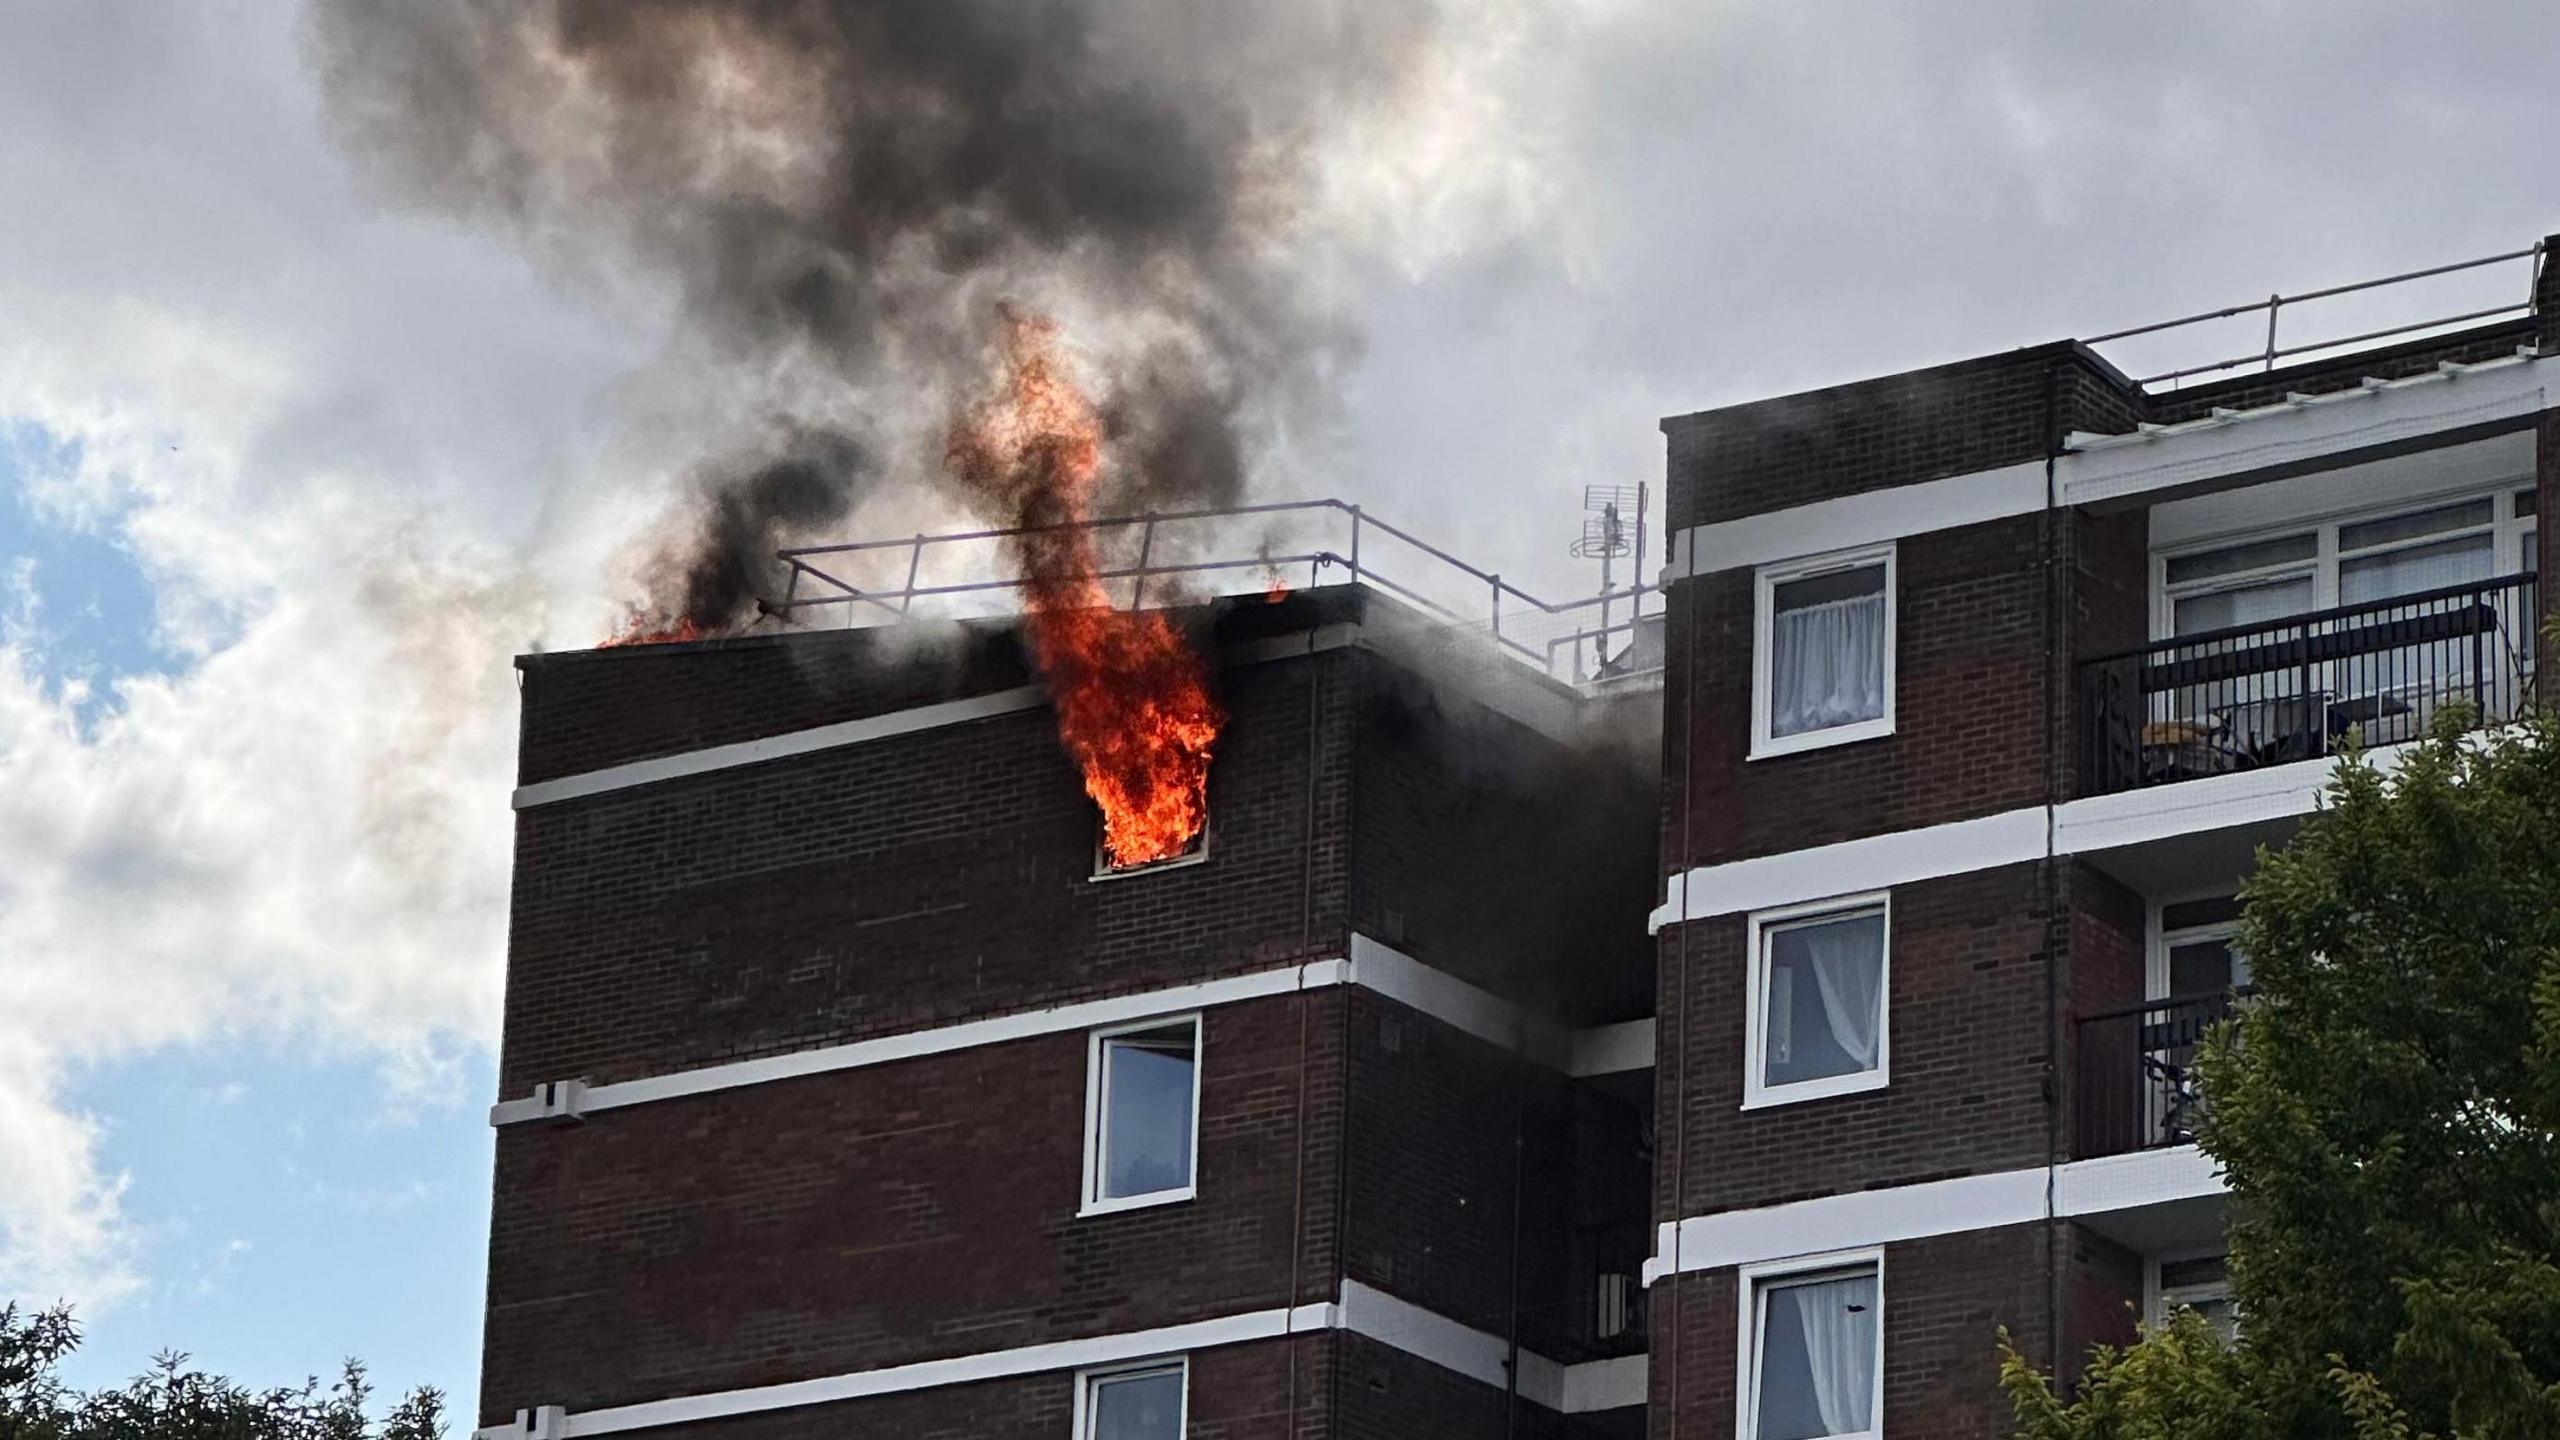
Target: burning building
864	1089
860	1080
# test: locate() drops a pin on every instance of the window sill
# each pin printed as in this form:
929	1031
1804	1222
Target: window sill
1139	1202
1859	1083
1767	748
1131	872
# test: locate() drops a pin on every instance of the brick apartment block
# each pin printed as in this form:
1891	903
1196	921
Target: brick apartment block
1738	1050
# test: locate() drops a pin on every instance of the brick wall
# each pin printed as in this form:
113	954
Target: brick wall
1969	661
926	1208
1871	434
912	881
1967	1016
895	1213
1945	1301
1448	793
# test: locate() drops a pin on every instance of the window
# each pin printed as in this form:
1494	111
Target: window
1142	1113
1138	1402
1813	1349
2346	562
2198	955
2202	1285
1822	668
1818	1001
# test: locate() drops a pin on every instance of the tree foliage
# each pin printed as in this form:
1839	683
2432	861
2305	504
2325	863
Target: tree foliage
172	1402
2387	1111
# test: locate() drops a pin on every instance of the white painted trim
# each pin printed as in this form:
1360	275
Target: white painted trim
1452	1001
1611	1049
1855	520
1757	1094
2080	827
1764	583
1605	1385
2135	1180
1096	1117
957	1370
2215	802
1086	1380
1873	862
2235	443
1830	1223
1361	1309
1861	1217
779	747
2498	465
2115	467
874	727
1751	1284
940	1040
1380	968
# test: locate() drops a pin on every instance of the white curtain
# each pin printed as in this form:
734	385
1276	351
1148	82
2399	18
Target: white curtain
1839	1324
1848	972
1826	664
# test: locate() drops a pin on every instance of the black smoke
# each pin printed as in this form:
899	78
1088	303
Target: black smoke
841	191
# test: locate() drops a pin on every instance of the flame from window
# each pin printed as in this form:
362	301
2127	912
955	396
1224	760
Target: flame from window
1132	696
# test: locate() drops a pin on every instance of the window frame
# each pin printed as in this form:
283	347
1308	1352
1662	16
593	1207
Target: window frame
1757	1093
1765	582
1753	1282
1096	1132
2163	939
2504	527
2158	1297
1088	1378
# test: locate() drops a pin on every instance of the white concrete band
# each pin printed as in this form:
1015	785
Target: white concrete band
1362	1310
1885	1216
2100	468
2079	827
1379	968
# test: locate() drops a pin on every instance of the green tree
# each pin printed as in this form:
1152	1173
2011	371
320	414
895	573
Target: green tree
2388	1114
171	1402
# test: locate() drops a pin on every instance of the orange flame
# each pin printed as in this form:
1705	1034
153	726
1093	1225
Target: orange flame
1133	702
639	629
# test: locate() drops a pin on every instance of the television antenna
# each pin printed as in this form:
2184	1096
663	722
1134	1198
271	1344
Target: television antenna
1612	529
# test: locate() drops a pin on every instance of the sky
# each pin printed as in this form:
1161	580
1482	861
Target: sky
289	471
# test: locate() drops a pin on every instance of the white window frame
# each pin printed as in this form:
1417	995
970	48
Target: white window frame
1752	1281
2155	976
1087	1379
1756	1092
2504	526
2157	1298
1095	1203
1766	580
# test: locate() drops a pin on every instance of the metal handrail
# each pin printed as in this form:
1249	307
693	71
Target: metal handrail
2170	1002
2274	305
804	561
2494	583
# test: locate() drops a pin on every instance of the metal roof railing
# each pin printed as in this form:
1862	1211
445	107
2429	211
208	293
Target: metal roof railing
2268	354
1551	635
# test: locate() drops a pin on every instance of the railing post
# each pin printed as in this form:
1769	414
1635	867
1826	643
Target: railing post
1497	607
2274	303
790	593
1146	548
915	562
2479	676
1355	544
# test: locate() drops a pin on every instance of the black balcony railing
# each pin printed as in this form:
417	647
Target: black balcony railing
2137	1075
2298	688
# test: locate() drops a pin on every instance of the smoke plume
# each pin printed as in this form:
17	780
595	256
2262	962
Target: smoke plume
840	192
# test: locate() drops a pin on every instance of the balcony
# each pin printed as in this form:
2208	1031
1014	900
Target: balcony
2304	687
2137	1080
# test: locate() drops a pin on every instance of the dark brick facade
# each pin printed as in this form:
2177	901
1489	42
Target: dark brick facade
1991	969
927	1207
